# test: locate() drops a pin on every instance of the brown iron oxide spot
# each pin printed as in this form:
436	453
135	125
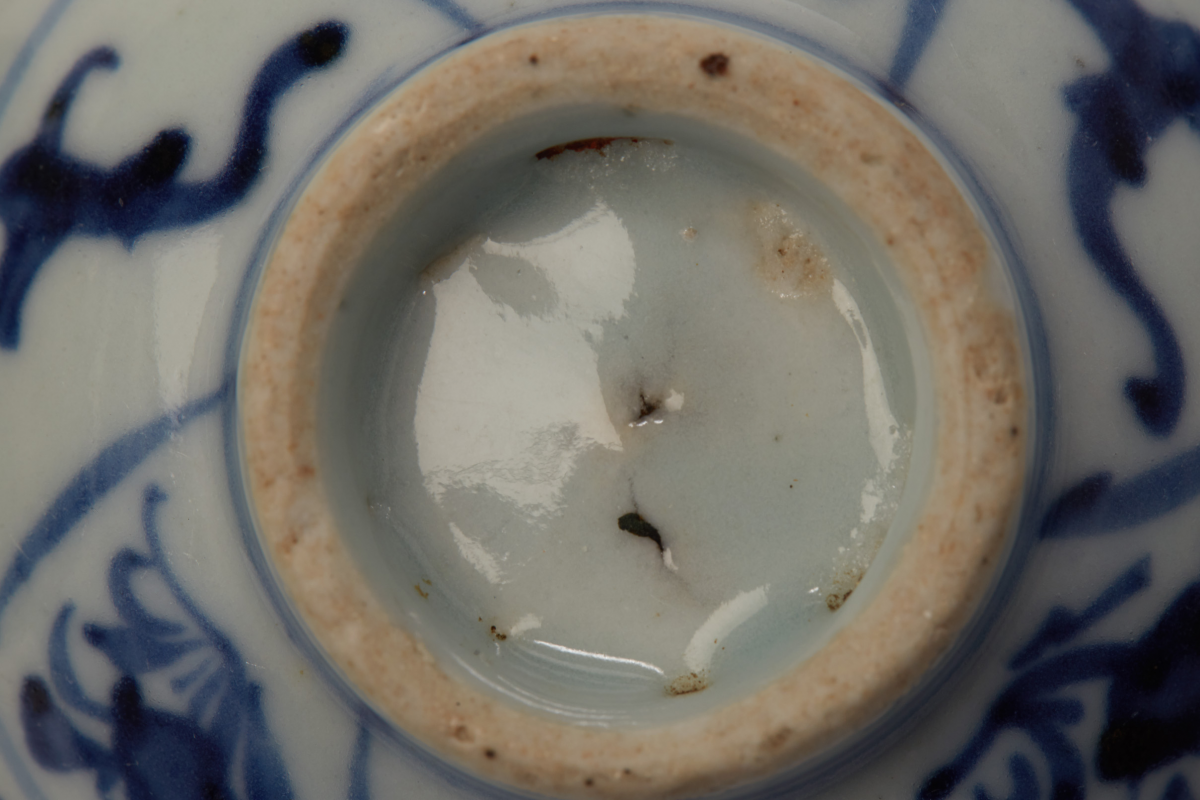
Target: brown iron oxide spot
688	684
533	59
489	753
500	637
835	601
776	738
421	591
597	144
715	65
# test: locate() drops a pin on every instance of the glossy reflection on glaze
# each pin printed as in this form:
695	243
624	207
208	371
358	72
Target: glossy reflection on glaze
637	410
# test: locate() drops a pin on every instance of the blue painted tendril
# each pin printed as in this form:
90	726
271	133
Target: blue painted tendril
47	195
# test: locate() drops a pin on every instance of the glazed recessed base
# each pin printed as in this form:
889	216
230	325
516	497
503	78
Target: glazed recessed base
608	422
748	88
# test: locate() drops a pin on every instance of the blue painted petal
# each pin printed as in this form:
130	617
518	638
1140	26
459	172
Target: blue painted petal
204	695
183	682
124	566
52	740
133	652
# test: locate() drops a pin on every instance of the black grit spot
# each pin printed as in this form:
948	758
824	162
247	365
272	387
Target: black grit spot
634	523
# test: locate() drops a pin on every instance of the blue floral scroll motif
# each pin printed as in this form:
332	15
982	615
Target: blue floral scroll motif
1152	707
47	195
1153	79
152	752
219	742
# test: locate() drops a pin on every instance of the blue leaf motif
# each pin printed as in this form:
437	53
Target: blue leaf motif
1062	625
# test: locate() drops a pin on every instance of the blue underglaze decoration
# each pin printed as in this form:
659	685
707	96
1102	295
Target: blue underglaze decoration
1098	504
47	195
1062	625
456	14
20	64
63	675
92	483
1152	716
155	753
1178	789
55	743
920	21
360	787
1153	80
1024	780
